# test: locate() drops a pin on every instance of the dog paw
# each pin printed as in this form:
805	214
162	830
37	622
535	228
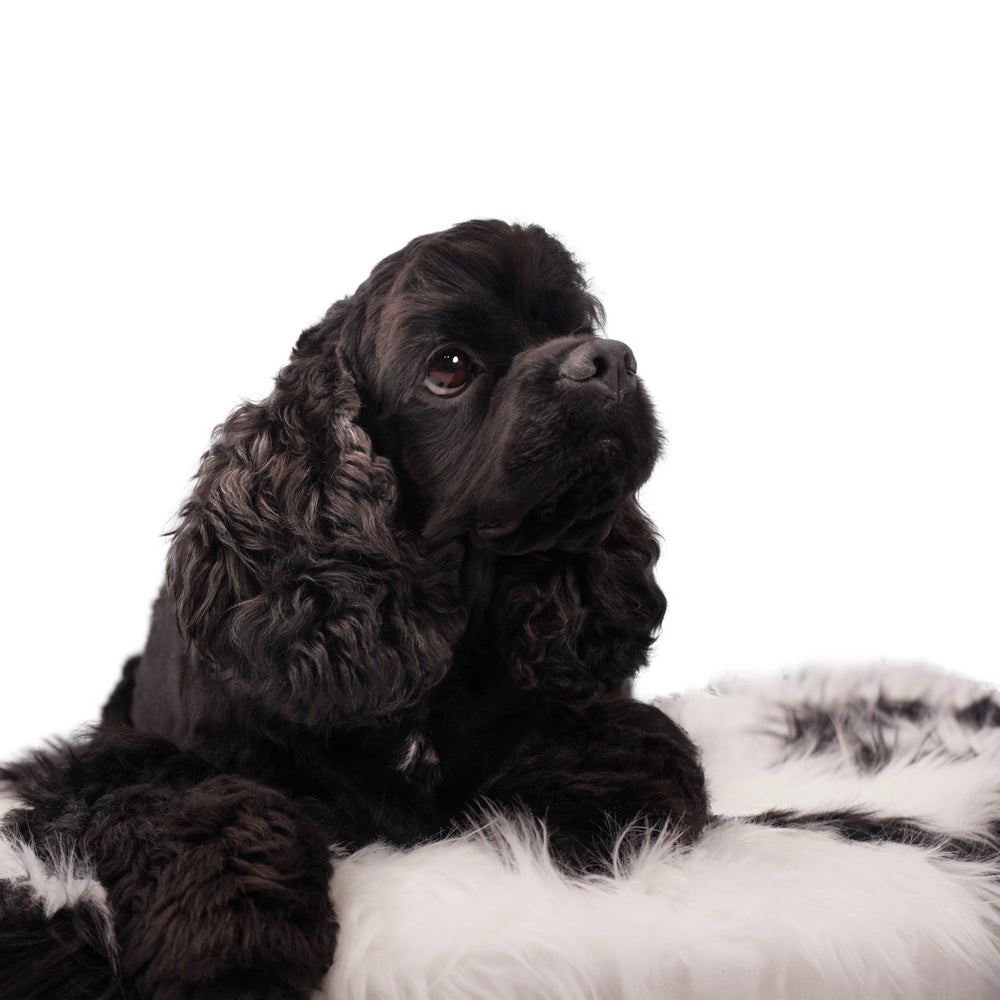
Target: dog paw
239	905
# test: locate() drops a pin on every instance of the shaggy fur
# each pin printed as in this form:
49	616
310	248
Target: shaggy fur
893	895
410	582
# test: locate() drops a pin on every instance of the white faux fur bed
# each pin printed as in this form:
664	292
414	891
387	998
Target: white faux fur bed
802	907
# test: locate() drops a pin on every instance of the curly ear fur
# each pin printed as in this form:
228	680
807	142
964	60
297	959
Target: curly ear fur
286	573
576	625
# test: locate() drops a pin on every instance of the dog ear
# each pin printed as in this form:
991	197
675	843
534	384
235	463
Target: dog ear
576	625
286	572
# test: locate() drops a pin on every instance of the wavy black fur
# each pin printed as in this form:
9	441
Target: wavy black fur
385	608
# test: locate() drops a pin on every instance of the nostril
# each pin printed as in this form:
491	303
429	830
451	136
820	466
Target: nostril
608	363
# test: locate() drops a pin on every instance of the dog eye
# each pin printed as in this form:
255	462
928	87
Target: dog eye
448	372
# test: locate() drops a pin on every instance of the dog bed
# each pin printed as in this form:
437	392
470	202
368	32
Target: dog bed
854	854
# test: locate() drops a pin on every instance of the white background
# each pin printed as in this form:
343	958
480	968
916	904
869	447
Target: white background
791	211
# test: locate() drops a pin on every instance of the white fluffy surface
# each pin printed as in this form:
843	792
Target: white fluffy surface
939	773
750	912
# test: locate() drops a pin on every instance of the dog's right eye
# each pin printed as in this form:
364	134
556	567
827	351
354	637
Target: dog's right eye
448	372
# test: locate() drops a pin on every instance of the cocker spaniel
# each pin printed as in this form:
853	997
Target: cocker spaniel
409	586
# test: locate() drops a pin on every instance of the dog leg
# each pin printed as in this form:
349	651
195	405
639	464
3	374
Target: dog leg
218	886
237	904
600	770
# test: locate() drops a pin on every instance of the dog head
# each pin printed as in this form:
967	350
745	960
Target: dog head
459	408
506	417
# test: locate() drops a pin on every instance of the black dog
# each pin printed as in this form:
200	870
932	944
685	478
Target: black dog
409	583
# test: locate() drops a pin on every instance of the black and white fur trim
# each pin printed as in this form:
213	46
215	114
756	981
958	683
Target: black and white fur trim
56	929
855	857
895	741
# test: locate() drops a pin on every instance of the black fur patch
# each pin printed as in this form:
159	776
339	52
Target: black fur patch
60	957
983	713
867	733
861	826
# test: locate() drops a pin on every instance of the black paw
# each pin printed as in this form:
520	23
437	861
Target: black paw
613	766
237	904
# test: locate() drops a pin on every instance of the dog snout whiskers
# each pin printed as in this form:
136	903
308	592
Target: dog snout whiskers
606	365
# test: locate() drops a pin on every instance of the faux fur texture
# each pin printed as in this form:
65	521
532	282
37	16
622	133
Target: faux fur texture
870	869
56	930
865	866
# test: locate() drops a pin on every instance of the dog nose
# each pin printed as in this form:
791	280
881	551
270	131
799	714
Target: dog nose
608	364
